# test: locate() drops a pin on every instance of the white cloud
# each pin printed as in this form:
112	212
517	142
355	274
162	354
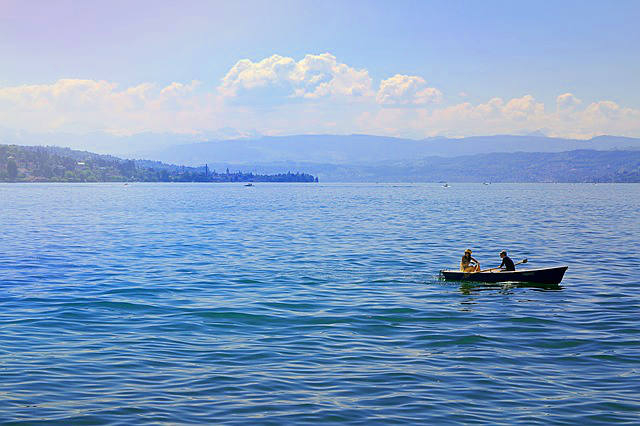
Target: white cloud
492	109
494	116
67	93
177	89
247	75
606	110
567	102
514	116
407	90
316	94
610	118
523	109
313	77
89	95
88	105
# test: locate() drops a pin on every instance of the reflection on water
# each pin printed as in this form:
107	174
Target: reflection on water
504	287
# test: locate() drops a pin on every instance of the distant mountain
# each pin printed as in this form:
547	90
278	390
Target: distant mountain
201	148
364	149
568	166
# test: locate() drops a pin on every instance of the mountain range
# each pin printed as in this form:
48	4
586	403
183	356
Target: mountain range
367	149
360	158
566	166
198	149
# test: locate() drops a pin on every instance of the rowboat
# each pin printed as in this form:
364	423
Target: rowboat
541	275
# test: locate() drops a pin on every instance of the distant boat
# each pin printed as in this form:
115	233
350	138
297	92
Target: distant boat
248	184
485	183
446	185
540	276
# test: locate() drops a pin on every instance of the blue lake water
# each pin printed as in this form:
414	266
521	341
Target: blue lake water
300	303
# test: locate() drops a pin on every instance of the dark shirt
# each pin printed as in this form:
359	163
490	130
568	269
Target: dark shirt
508	264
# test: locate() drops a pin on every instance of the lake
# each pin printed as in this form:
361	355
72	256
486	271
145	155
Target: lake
300	303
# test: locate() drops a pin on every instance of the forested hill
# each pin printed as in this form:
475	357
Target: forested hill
54	164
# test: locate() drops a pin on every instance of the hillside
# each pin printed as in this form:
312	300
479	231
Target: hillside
54	164
570	166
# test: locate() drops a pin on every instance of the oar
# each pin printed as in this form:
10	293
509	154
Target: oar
492	269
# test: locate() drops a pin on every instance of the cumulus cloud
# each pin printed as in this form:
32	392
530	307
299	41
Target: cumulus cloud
90	95
68	93
313	77
177	89
520	115
406	90
246	75
493	108
605	110
524	108
567	102
610	118
495	112
316	94
89	105
496	116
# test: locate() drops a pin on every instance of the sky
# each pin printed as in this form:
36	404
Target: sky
412	69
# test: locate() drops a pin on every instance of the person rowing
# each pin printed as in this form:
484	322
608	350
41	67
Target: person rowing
468	263
507	264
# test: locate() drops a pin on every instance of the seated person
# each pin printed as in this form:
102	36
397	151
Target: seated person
468	263
507	263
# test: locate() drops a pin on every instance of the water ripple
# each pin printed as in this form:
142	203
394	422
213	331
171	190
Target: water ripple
315	303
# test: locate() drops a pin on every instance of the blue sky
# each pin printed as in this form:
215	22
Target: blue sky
468	52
